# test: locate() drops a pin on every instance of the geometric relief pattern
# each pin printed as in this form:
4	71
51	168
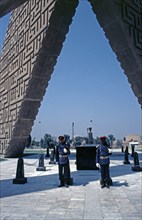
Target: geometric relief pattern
23	40
132	16
28	41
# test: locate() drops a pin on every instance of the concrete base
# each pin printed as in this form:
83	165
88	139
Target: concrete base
20	180
126	162
86	157
41	169
137	168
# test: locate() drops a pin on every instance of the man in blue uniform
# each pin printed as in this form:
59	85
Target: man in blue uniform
102	160
62	152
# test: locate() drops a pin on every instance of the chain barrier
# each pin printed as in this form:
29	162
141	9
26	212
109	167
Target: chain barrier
30	164
34	164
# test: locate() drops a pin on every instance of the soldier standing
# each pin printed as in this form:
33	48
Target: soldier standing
103	161
62	152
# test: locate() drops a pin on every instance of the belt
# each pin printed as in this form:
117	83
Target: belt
63	155
101	157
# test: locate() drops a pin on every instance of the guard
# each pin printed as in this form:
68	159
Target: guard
103	161
62	152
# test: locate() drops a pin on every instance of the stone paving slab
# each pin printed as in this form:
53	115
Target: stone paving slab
41	199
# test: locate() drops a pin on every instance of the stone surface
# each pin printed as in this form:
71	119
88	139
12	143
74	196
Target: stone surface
7	6
30	63
41	198
122	24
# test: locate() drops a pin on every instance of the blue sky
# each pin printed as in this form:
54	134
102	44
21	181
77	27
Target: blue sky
87	84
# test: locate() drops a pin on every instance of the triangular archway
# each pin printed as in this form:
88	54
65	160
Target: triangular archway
30	55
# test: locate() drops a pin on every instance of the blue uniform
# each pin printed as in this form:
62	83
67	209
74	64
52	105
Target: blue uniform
63	161
102	155
102	158
62	157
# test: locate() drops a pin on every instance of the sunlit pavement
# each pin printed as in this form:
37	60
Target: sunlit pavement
40	198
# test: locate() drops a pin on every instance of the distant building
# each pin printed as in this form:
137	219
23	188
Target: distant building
133	137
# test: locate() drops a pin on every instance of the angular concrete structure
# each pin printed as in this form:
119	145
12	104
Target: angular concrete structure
7	6
34	40
122	24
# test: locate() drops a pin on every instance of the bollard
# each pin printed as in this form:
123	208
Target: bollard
136	163
133	150
126	160
20	179
47	152
127	150
41	166
52	155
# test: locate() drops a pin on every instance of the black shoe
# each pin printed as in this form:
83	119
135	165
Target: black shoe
66	185
103	186
107	186
61	185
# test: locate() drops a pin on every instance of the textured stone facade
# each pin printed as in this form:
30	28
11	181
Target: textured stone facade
23	40
32	45
7	6
121	21
33	42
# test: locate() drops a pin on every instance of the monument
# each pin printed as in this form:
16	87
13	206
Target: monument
90	136
86	154
33	42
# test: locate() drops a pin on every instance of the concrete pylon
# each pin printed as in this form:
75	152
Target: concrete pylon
20	179
41	166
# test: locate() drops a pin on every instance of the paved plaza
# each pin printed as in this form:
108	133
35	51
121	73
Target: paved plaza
41	198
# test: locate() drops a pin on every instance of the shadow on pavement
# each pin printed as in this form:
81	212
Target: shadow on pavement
50	181
117	183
